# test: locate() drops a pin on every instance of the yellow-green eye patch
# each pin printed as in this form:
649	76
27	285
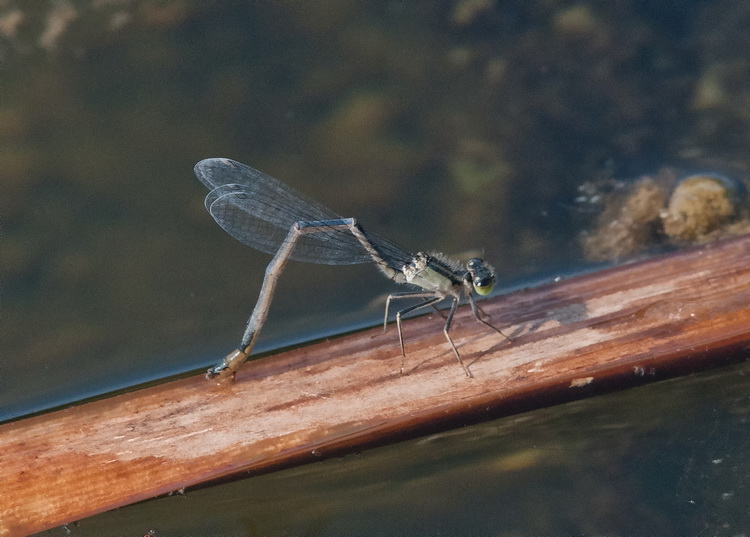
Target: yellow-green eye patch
484	287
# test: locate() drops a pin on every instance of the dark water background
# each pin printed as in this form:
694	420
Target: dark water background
459	126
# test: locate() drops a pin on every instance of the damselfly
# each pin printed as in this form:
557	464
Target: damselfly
274	218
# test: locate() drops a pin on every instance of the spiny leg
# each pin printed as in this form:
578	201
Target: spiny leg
431	300
475	309
407	294
447	327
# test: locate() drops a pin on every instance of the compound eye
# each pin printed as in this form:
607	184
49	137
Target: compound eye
484	286
474	263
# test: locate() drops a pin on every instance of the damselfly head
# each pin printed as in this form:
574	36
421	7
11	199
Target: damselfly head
482	275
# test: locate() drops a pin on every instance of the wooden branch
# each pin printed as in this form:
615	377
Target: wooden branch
629	325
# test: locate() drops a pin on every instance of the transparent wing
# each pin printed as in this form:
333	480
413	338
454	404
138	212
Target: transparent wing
259	211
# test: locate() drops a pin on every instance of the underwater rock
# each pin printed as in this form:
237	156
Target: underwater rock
664	211
700	205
